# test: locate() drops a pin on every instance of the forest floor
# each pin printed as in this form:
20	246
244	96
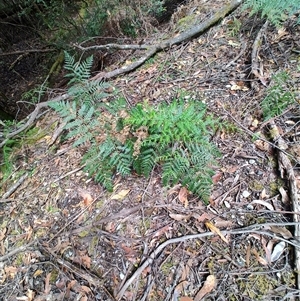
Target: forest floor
63	237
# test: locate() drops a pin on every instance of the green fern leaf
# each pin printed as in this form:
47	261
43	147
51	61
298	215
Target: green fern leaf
145	161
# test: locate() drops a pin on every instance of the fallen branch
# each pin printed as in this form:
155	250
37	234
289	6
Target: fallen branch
183	37
14	187
254	55
251	229
152	50
31	118
16	251
286	168
27	51
114	46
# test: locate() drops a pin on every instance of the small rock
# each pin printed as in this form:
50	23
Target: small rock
251	161
246	194
227	205
250	207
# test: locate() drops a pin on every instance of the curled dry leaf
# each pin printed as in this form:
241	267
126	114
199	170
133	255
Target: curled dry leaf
284	232
278	250
179	217
207	287
217	177
182	196
264	203
215	230
120	195
262	145
284	195
87	198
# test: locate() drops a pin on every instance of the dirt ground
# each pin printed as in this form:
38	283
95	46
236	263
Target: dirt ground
63	237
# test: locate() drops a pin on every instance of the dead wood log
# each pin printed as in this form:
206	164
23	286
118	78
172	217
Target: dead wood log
286	171
152	50
183	37
255	68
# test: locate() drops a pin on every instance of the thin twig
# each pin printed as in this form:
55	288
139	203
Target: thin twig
68	174
16	251
27	51
32	117
12	189
75	218
252	229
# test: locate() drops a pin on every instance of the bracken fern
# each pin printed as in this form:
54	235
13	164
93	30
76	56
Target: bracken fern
175	136
279	96
276	11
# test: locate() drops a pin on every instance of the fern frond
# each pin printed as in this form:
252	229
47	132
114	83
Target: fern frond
69	61
121	158
175	167
279	96
145	161
80	71
276	11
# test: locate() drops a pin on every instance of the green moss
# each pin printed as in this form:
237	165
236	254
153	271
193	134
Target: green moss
53	276
256	186
83	234
256	287
275	185
166	267
186	22
93	245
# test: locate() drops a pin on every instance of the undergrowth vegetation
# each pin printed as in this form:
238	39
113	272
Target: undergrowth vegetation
276	11
173	137
279	96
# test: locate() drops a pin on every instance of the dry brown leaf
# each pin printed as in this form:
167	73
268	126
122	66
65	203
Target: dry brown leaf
185	299
179	217
248	253
87	198
265	247
217	177
264	203
162	231
262	145
86	289
207	287
182	196
181	286
37	273
261	260
203	217
2	234
120	195
86	261
284	232
10	271
215	230
47	284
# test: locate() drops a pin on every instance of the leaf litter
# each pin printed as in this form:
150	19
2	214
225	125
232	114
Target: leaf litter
90	253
